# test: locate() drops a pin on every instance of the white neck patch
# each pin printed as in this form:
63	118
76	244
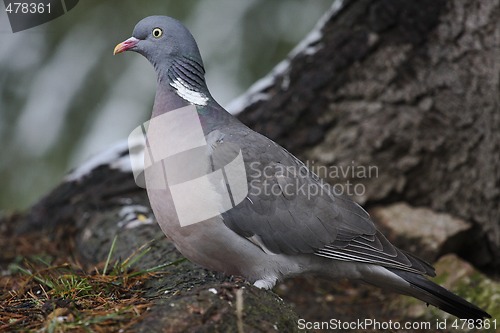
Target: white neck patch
189	95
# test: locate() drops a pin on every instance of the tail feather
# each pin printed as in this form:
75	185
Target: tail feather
440	297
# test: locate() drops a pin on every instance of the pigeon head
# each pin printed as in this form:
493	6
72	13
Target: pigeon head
172	50
161	39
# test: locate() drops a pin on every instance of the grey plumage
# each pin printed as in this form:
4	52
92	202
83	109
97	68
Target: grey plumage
281	228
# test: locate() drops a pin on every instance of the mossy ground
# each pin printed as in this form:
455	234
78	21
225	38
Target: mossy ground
51	292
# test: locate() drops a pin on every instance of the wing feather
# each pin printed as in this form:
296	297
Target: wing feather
283	214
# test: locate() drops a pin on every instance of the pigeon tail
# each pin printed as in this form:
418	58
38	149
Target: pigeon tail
432	293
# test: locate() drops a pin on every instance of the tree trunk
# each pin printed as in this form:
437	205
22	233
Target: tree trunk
410	89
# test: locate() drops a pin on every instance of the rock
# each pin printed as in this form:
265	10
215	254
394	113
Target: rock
420	230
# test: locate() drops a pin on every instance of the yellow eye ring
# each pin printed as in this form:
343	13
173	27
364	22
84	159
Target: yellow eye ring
157	32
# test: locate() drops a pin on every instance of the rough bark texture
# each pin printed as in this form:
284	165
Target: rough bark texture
411	87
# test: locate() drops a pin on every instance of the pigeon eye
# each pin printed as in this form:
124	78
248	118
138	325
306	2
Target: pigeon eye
157	32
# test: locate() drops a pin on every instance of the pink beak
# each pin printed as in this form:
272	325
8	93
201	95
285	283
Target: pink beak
125	45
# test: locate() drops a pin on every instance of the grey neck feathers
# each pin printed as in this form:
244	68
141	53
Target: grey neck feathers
183	83
187	78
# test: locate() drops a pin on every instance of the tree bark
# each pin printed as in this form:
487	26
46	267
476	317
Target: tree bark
411	88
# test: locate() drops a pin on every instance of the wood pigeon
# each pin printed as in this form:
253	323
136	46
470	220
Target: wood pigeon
234	201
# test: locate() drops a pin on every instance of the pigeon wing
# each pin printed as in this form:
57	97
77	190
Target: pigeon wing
290	210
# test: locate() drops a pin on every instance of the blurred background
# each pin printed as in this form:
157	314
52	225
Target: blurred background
64	97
